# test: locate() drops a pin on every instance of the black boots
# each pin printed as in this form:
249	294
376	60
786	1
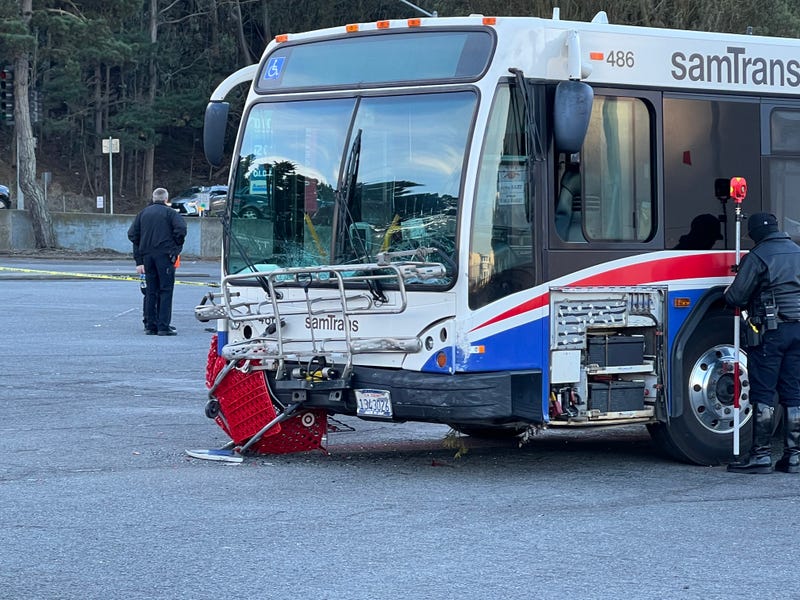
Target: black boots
790	461
760	458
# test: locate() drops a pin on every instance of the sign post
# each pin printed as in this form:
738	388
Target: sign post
110	147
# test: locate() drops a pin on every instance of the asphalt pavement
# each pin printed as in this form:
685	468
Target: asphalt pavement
98	499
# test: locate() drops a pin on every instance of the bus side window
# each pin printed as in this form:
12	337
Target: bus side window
707	139
783	165
617	184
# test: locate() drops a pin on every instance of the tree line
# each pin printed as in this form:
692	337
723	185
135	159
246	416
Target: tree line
141	71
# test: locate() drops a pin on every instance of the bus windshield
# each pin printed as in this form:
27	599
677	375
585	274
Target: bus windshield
338	181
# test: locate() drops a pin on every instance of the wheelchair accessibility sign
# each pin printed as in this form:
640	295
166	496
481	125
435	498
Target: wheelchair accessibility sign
274	67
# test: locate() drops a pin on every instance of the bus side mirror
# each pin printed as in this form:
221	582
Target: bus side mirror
571	112
216	121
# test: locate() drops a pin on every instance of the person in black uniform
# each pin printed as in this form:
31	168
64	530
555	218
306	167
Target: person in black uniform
157	234
767	284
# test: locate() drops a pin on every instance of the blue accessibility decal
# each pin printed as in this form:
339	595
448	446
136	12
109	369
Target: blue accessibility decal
274	67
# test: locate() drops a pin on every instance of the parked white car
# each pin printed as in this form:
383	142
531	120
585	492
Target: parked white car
189	201
5	197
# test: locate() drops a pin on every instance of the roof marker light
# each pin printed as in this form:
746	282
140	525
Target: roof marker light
351	28
382	24
414	22
282	38
490	20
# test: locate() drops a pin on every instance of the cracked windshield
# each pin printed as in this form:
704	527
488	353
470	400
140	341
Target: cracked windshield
398	192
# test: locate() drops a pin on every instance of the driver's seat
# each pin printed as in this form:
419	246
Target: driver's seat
569	206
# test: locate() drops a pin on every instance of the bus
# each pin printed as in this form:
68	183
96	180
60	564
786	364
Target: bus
500	224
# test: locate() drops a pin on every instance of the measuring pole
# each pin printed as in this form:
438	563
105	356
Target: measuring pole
111	179
738	193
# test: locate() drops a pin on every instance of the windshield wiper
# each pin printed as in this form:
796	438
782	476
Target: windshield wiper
262	281
344	198
534	148
533	138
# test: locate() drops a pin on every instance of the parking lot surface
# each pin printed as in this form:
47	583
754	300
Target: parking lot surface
99	500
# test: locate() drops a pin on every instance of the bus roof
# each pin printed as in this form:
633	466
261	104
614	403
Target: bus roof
613	54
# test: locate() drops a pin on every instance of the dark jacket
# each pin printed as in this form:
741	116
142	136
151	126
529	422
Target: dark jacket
772	266
158	229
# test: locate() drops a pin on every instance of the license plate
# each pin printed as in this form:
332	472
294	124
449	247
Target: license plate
373	403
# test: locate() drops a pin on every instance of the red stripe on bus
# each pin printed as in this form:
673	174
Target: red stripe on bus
675	268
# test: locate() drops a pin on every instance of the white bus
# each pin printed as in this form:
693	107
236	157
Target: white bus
497	223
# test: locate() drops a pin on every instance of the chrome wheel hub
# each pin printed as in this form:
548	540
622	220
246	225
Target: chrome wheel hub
711	389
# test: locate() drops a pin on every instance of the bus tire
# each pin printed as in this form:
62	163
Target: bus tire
659	432
703	434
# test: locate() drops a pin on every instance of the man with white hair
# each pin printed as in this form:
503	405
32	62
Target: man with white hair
157	234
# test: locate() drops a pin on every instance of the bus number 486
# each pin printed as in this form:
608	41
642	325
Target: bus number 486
620	58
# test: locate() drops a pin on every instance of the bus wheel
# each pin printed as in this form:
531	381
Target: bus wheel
703	433
488	432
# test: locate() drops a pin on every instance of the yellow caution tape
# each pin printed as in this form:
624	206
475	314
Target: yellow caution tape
100	276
